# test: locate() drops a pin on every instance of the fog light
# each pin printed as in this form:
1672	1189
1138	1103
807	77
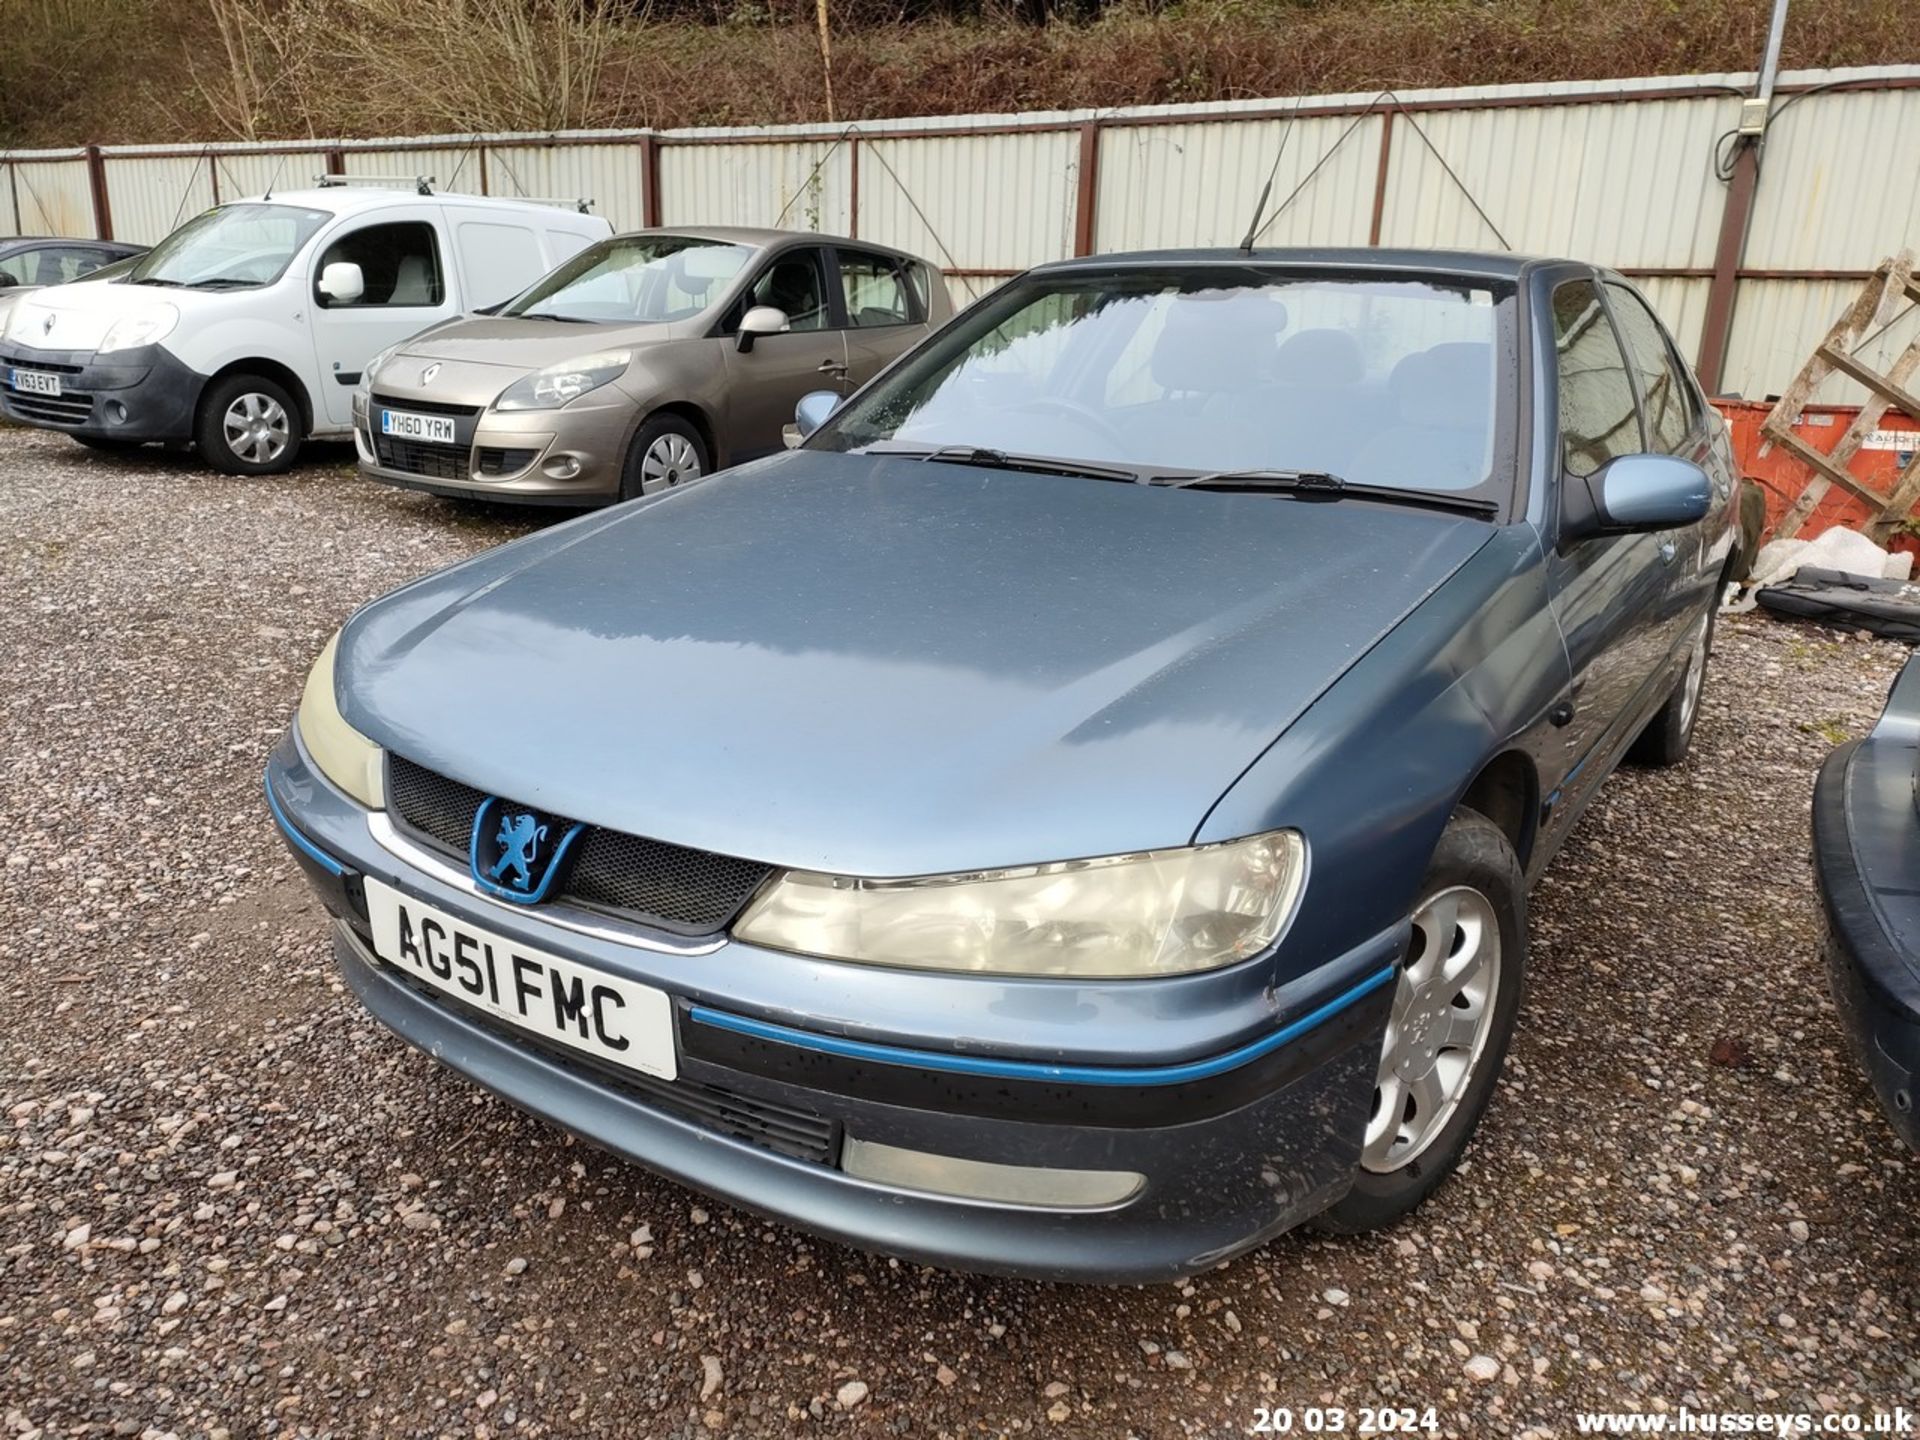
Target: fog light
982	1180
562	467
116	412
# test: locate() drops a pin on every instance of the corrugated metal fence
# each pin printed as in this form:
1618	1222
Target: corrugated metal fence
1623	172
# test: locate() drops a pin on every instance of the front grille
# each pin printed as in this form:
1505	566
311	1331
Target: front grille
785	1129
27	362
426	407
416	457
672	887
495	462
55	410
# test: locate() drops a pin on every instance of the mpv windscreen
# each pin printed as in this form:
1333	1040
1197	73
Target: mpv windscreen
636	278
1378	381
235	245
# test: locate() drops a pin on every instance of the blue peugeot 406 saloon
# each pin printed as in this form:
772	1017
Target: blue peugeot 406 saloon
1073	816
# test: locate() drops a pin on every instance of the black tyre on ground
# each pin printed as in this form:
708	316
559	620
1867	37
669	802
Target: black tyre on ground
667	451
248	425
1453	1015
1669	734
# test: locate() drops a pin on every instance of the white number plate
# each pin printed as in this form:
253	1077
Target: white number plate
435	429
36	382
612	1019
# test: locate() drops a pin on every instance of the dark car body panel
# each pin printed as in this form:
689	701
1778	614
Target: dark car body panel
875	665
1866	847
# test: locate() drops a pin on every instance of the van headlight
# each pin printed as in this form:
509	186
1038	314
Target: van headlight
1122	917
556	385
341	753
143	327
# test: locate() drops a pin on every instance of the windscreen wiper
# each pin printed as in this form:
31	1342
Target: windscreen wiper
153	280
1319	485
989	458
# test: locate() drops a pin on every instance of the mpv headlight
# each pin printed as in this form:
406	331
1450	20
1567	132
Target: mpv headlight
143	327
340	752
554	386
1160	912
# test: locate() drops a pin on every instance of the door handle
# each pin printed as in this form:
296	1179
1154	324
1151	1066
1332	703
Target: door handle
832	367
1667	551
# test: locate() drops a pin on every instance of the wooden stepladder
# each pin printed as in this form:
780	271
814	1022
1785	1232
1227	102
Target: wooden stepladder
1890	287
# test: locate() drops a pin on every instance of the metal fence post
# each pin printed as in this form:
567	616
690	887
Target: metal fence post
1089	194
97	182
650	180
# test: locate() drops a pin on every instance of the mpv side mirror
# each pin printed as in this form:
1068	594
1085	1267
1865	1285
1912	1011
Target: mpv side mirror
760	320
1632	495
814	409
342	282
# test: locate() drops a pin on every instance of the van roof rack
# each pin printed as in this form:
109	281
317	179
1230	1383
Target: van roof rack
422	184
559	202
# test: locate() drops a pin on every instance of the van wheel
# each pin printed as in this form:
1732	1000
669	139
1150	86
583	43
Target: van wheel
248	425
667	452
1454	1007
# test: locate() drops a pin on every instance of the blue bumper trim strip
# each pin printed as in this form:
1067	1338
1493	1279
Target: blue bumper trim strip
1038	1070
320	857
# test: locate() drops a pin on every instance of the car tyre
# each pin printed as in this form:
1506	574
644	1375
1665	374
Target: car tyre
666	452
248	425
1455	1002
1669	734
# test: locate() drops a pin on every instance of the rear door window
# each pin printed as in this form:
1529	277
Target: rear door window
1598	418
399	263
1664	388
875	289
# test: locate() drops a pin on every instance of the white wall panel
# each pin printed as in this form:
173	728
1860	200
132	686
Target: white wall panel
242	177
151	195
973	202
611	176
1681	301
1166	186
54	197
1776	324
798	185
9	221
1624	184
1840	182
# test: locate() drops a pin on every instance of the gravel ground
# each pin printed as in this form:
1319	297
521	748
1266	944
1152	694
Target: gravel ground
230	1204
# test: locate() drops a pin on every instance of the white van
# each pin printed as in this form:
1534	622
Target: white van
246	330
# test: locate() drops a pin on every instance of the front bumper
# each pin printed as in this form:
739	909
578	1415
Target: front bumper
1866	846
133	395
571	456
1231	1153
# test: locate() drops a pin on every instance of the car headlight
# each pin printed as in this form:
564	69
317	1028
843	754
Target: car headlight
1160	912
340	752
554	386
144	327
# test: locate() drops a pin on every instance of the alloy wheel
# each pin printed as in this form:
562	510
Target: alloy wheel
670	460
1442	1018
257	428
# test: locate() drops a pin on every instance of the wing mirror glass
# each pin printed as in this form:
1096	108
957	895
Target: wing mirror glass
1633	495
342	283
814	410
760	320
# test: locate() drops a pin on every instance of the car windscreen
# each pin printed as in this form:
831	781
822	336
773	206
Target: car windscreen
1377	378
636	278
232	247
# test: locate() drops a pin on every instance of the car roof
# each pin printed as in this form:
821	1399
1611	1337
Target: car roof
1468	264
355	199
11	243
763	238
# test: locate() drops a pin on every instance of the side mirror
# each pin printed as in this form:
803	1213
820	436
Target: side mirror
814	409
760	320
342	282
1633	495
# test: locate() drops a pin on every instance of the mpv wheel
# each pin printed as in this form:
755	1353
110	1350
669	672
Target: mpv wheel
1453	1012
667	452
248	425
